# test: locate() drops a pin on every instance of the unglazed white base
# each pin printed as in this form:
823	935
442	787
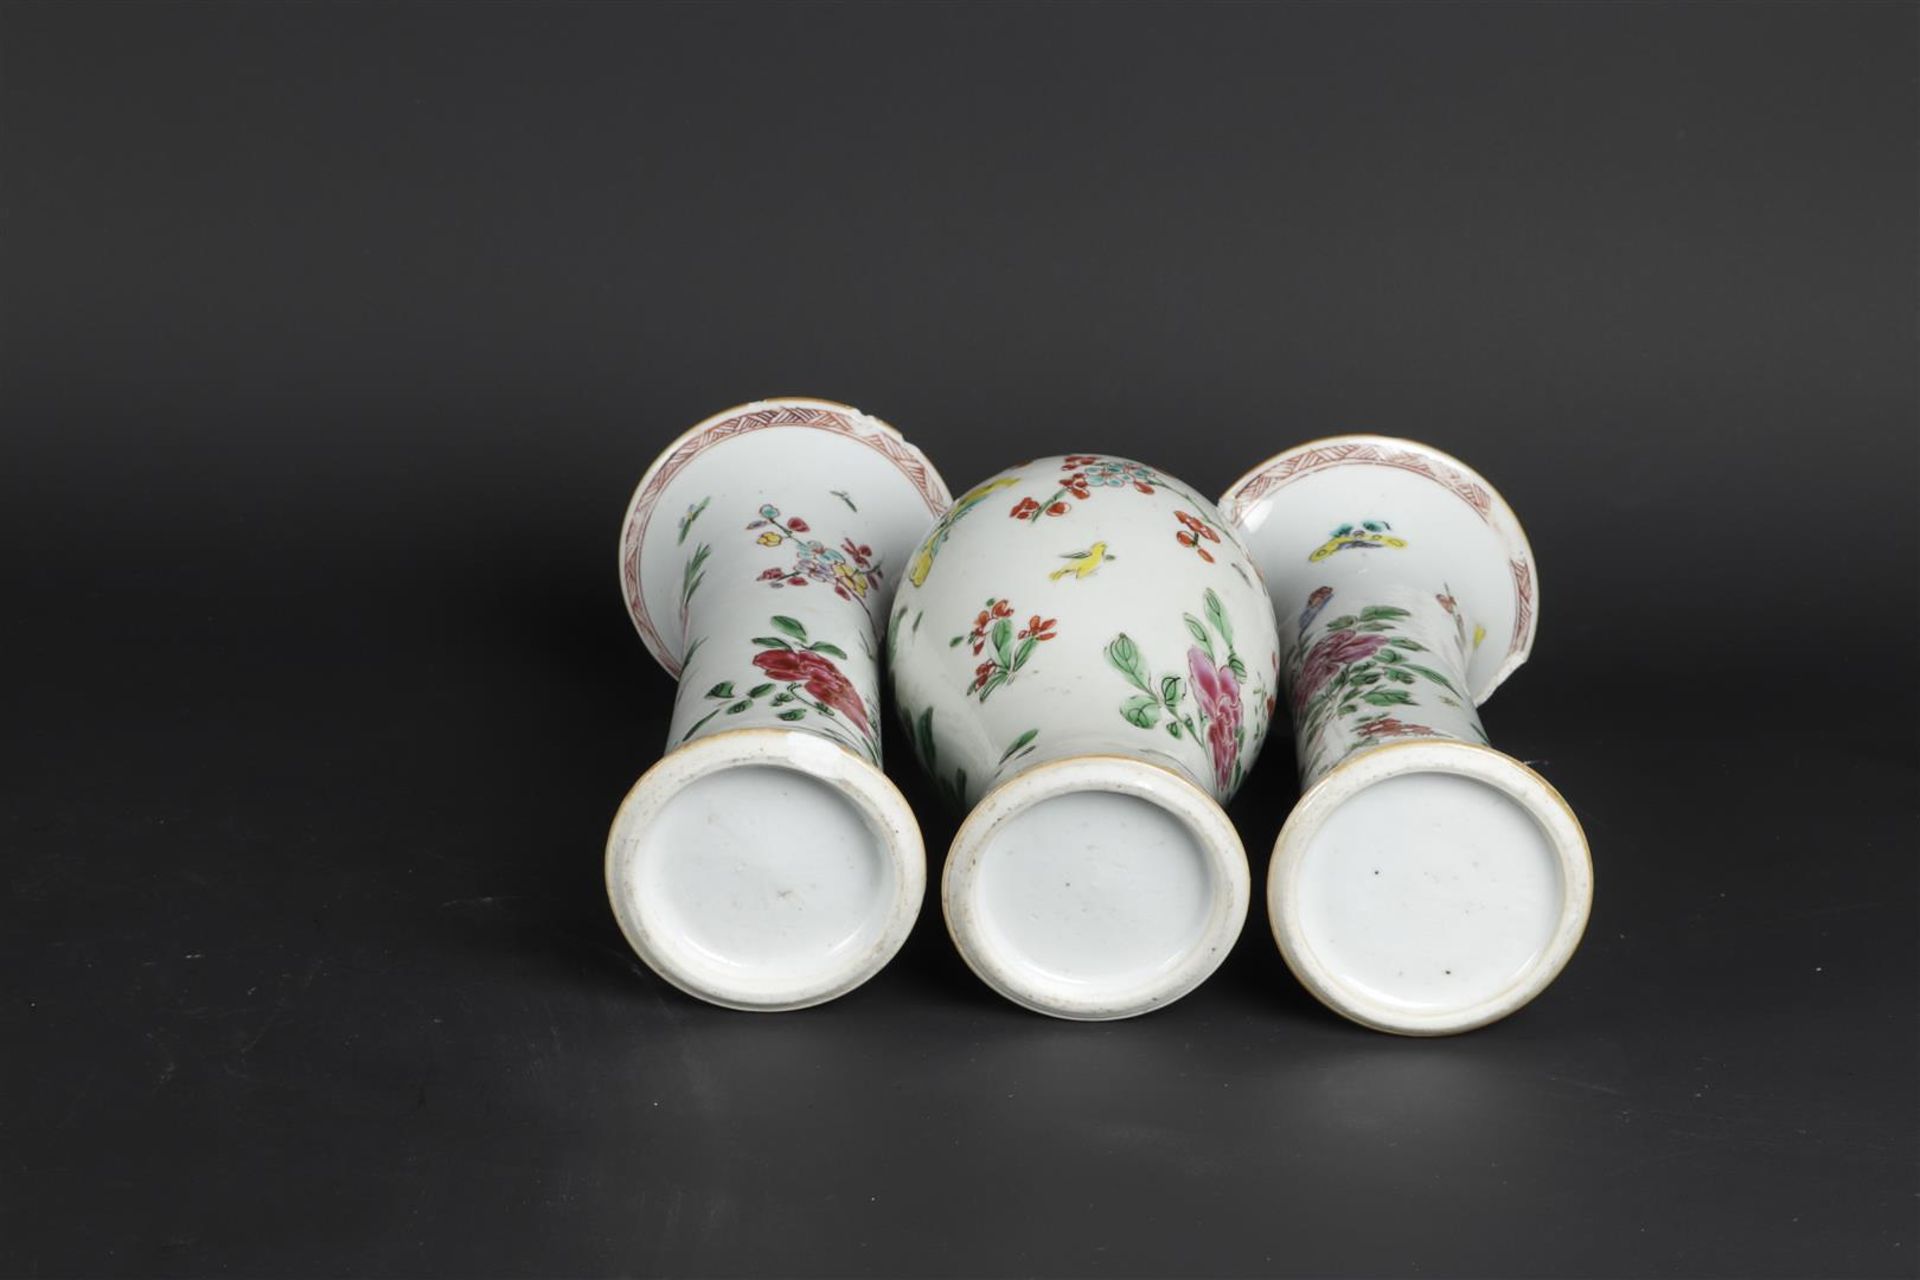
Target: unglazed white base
765	869
1095	887
1428	888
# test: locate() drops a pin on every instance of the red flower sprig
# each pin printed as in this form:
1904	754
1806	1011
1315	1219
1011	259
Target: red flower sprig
993	627
1196	532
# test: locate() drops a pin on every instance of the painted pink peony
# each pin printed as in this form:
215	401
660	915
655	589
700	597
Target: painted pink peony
1340	649
821	678
1218	694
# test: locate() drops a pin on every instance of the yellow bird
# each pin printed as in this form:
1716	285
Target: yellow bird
1084	562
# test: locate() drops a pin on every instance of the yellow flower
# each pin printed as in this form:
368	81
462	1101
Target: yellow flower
854	582
769	539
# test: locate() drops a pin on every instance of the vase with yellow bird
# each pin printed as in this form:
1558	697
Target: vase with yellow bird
1091	691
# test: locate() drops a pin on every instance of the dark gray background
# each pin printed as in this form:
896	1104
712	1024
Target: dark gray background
335	336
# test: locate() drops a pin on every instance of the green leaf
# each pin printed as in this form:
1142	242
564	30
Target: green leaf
1217	615
1024	652
1401	642
956	642
1236	666
923	737
772	642
798	713
826	711
1124	655
1375	612
1389	656
1018	743
1403	677
1142	710
1388	698
759	690
1342	622
790	625
693	513
1173	728
1170	691
1198	631
739	706
1432	675
1001	637
832	650
782	700
722	690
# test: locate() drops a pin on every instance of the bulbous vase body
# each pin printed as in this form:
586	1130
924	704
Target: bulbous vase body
1083	655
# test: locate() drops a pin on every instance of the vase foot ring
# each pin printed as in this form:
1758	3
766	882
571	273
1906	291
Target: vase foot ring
1427	888
765	869
1095	887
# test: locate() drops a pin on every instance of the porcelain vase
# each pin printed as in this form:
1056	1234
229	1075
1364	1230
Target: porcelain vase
1083	657
1425	883
766	862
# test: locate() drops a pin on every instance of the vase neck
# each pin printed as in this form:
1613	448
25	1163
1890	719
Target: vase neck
778	612
1368	662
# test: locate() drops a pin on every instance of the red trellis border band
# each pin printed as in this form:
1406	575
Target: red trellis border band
1465	487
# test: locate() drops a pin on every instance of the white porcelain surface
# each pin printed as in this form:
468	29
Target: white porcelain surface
1426	883
1096	887
1083	654
766	862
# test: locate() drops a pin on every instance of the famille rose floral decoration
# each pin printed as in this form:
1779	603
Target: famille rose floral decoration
805	677
766	862
1207	707
1068	668
1080	475
994	632
849	570
1084	474
1426	883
